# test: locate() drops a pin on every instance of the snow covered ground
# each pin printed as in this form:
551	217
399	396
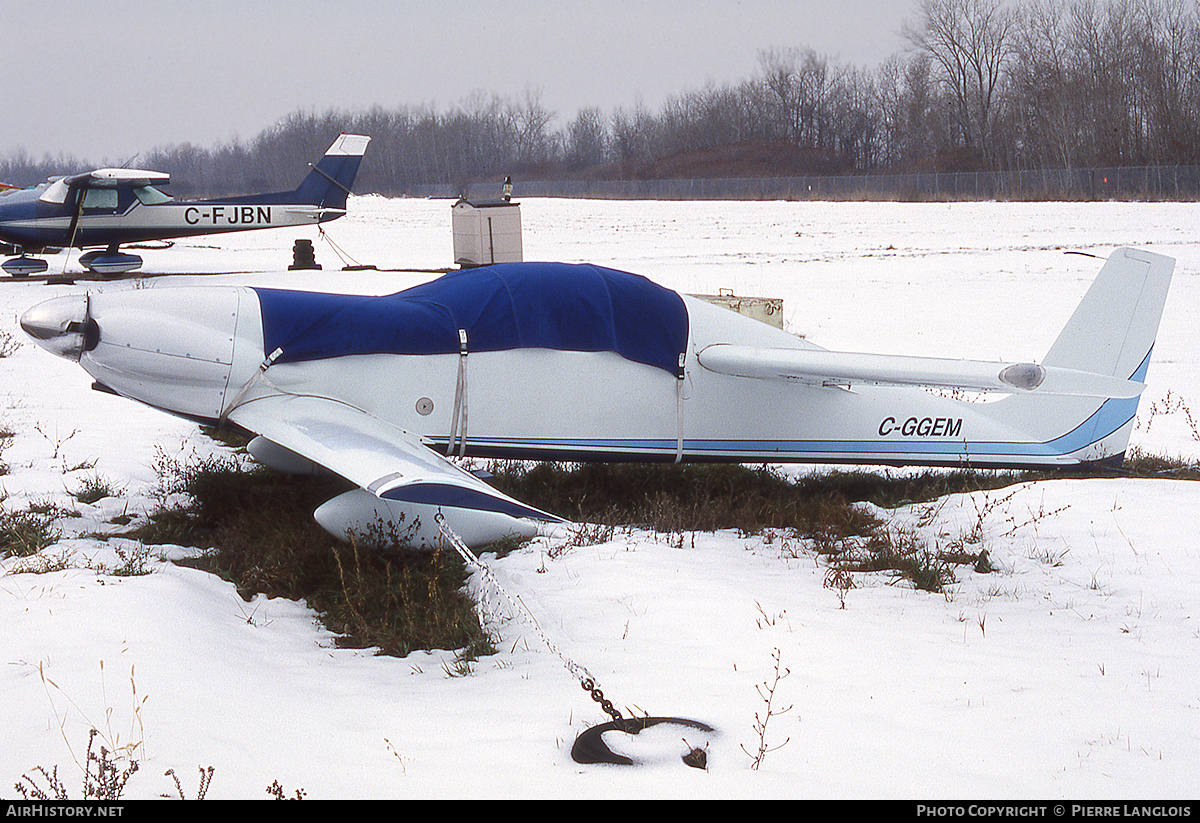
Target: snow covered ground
1070	673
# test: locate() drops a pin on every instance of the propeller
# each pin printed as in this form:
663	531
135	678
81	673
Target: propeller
63	326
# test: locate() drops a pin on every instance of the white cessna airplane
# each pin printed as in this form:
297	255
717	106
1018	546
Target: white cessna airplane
578	362
107	207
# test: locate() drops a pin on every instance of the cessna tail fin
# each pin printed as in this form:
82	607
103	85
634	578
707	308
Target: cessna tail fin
330	180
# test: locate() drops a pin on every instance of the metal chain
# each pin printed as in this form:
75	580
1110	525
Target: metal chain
598	696
583	675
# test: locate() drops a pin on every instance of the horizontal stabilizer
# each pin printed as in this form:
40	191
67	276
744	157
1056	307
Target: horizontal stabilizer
315	212
818	367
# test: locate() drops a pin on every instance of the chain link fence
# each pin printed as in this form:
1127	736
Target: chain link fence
1115	183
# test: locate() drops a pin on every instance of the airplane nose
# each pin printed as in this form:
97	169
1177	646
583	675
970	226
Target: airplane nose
62	326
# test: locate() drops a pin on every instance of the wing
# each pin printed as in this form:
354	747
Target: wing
108	178
400	473
58	189
841	369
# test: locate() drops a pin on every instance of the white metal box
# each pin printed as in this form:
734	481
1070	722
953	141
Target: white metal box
486	232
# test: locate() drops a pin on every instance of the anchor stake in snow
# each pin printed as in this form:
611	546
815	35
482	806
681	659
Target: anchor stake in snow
589	746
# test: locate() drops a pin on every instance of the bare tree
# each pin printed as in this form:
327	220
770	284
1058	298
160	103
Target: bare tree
1043	103
856	120
1107	63
971	42
530	120
1166	39
802	82
779	74
635	136
586	139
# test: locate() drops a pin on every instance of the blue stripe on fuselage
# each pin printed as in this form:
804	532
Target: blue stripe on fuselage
1112	415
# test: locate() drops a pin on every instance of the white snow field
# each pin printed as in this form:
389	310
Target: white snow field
1072	672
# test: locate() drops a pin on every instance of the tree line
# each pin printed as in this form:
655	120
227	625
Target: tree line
981	85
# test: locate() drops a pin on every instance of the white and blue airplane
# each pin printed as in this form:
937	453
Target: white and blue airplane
550	361
105	208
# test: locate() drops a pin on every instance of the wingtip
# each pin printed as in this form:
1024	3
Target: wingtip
360	516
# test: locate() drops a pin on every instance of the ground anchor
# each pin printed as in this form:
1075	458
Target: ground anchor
590	746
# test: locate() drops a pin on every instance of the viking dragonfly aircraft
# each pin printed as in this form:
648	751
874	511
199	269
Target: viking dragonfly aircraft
578	362
104	208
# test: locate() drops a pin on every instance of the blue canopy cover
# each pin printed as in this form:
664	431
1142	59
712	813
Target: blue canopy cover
568	307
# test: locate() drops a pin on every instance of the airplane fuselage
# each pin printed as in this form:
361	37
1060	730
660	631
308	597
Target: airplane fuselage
27	222
573	362
194	353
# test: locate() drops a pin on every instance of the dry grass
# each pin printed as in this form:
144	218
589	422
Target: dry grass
257	527
259	533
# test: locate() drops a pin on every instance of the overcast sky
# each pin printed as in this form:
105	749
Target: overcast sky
103	81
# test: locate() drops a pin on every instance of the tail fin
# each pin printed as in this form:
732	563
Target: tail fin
1114	326
330	180
1111	333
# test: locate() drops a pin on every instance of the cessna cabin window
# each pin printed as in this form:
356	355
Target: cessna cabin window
100	199
150	196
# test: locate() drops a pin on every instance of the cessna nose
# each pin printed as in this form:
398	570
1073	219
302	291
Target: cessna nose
62	326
